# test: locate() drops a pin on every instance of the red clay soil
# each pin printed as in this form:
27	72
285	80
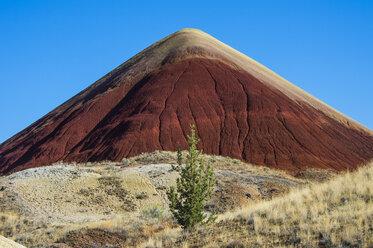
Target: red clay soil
235	115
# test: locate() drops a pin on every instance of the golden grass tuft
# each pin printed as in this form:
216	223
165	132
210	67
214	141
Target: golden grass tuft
338	212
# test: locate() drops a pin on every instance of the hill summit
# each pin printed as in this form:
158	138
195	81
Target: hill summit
240	109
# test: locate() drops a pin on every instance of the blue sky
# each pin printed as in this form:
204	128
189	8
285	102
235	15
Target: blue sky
51	50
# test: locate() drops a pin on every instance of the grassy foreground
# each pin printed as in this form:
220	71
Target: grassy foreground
119	204
338	213
123	205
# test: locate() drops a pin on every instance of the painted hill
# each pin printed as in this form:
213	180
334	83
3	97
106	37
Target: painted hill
240	108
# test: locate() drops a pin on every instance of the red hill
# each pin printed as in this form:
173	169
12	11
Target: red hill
240	109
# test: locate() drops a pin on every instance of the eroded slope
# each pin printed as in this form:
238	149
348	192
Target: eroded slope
240	108
235	115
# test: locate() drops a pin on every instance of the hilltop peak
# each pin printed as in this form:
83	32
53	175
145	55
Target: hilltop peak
190	30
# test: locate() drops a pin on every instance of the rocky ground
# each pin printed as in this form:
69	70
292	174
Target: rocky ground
72	203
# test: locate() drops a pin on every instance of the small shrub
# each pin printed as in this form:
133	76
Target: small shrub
235	244
142	196
236	161
156	212
194	187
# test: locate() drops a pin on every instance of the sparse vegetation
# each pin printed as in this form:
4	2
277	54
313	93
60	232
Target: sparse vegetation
153	213
337	213
111	203
194	187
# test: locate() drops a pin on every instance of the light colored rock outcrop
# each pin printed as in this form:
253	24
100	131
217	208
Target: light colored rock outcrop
7	243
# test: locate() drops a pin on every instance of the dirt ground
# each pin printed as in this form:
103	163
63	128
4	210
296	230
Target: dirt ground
44	206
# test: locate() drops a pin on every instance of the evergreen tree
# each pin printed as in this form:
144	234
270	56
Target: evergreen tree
193	188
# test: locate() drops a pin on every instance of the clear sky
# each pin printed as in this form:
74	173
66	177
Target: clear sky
51	50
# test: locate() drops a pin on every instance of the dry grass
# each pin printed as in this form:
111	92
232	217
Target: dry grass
337	213
92	203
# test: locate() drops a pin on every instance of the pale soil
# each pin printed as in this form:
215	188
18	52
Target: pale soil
41	205
7	243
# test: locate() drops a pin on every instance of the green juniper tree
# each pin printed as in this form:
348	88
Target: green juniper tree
193	188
